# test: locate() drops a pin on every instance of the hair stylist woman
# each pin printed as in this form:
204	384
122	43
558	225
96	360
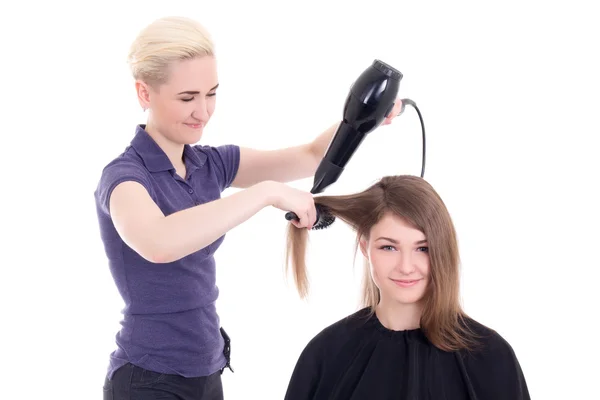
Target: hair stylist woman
161	217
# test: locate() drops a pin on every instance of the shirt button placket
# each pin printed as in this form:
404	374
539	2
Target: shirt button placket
191	192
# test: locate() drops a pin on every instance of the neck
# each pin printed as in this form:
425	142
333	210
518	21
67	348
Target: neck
398	316
174	151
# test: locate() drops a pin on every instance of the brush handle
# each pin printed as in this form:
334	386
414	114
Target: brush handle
290	215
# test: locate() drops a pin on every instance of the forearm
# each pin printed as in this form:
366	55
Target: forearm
190	230
319	145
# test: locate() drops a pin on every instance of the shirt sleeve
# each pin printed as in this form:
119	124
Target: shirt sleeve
116	172
227	161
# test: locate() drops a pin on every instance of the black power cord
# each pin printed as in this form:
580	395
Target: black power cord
414	105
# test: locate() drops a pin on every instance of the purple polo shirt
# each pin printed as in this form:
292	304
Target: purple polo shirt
170	323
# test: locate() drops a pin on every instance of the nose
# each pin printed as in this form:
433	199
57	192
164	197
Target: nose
405	264
201	111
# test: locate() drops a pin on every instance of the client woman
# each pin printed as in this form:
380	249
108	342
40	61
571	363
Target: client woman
411	340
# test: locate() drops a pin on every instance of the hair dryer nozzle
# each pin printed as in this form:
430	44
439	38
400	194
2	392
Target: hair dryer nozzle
327	173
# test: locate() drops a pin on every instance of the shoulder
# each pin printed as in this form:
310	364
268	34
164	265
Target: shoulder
217	153
488	337
318	360
125	165
224	158
327	344
491	346
128	159
340	331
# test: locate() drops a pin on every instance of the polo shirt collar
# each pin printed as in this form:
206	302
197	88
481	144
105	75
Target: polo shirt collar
155	158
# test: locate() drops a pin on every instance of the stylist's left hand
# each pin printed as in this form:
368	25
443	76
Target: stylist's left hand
394	113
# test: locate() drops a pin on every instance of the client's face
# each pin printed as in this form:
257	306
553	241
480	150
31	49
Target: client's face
399	259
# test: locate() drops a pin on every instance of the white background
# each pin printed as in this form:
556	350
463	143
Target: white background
509	94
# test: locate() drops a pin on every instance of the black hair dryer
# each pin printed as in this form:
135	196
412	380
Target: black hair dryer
369	102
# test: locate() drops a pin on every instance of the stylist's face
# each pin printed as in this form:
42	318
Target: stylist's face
181	107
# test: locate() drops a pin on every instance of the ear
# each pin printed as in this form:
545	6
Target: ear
143	93
363	247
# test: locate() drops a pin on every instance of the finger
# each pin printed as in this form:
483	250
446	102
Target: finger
304	220
300	221
397	108
312	212
394	113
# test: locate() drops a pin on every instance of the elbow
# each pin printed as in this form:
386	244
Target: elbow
158	258
150	241
152	255
159	255
157	252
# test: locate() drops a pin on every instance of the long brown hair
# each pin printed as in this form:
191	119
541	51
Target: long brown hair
414	200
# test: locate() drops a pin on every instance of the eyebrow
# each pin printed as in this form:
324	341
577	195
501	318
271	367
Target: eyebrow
197	92
396	242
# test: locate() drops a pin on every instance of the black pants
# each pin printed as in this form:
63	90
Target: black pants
131	382
134	383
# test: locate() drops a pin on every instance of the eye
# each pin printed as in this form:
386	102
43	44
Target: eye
186	100
387	247
211	94
424	249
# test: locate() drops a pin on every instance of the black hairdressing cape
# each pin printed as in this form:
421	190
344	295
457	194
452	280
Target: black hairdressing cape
357	358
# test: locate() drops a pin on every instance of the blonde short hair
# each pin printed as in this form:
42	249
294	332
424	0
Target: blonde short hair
163	42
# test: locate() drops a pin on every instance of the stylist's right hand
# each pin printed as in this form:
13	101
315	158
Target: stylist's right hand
302	203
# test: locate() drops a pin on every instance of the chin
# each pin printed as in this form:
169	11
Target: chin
408	299
193	137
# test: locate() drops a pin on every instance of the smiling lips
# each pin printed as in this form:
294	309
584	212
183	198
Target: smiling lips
406	282
196	126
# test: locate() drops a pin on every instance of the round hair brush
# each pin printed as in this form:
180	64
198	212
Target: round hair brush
324	218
